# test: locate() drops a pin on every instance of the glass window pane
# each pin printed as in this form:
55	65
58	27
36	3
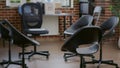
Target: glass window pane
84	8
83	0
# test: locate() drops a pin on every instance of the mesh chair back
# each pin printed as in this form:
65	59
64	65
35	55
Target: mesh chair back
31	15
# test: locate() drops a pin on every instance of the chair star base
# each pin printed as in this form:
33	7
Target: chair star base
68	55
7	63
44	53
109	62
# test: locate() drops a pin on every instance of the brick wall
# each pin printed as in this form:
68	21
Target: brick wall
74	18
12	14
106	13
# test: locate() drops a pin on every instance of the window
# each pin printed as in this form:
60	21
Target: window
86	7
15	3
64	3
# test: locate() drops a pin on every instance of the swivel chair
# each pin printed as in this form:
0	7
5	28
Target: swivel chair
90	35
108	30
31	24
19	39
5	35
85	20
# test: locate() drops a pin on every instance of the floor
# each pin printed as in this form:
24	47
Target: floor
110	51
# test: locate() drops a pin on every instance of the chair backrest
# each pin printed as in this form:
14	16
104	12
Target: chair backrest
32	15
85	35
4	32
108	27
16	36
85	20
96	13
97	9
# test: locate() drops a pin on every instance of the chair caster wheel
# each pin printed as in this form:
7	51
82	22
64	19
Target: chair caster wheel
47	57
26	67
19	55
29	58
84	66
98	67
117	67
65	59
4	60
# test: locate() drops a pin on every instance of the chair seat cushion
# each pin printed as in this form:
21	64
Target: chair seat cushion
36	31
88	50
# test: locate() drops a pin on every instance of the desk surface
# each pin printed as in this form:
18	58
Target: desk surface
61	14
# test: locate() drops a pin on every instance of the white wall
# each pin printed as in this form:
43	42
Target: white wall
51	24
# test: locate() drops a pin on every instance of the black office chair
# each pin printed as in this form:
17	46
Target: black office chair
5	35
19	39
85	20
90	35
31	24
108	30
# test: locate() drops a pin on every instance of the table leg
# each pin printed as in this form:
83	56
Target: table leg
70	20
64	25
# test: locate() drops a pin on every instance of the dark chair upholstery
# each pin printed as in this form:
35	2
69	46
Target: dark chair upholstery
108	27
85	20
108	30
31	24
32	19
19	39
6	36
90	35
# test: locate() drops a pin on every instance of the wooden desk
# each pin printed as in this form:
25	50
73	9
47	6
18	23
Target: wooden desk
64	20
